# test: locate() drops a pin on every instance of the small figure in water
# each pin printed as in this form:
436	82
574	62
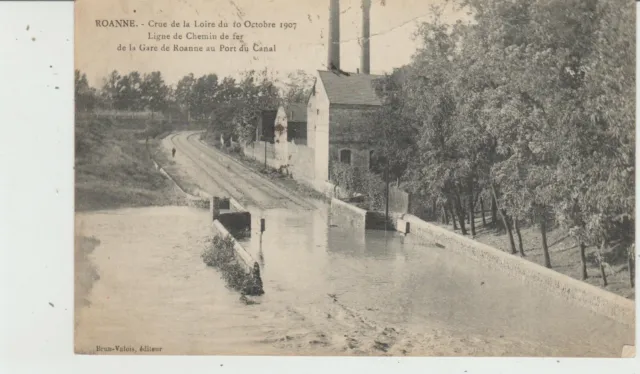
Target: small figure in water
173	152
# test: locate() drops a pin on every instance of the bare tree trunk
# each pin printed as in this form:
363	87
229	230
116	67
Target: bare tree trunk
434	209
509	224
453	215
475	199
601	263
445	215
494	211
484	221
472	220
461	214
545	247
520	248
583	260
504	220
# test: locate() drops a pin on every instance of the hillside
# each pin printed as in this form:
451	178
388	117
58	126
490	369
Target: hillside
113	169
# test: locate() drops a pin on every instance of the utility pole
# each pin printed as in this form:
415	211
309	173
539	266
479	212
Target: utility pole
386	175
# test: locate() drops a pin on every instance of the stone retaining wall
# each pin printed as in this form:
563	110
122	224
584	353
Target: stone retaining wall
347	215
243	256
330	190
235	206
253	279
231	214
597	300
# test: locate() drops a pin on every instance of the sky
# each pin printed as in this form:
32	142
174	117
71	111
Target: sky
393	24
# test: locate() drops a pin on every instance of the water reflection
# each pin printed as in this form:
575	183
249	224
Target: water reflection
399	281
383	245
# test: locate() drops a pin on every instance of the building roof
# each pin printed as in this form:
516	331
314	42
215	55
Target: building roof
296	112
351	89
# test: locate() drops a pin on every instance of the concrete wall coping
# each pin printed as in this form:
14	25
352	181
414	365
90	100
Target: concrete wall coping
348	206
236	205
586	294
188	195
246	258
202	194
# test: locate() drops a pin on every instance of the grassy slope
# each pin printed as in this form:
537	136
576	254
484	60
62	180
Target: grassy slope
564	254
113	169
163	157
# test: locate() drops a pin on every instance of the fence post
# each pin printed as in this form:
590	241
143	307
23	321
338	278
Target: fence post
214	207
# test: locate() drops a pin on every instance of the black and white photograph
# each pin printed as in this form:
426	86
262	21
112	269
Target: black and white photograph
426	178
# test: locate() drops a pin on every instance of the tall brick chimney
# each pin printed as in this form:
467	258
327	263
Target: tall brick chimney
365	58
333	61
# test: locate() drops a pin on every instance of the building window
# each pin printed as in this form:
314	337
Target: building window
345	156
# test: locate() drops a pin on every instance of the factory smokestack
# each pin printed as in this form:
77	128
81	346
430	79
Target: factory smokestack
333	62
365	59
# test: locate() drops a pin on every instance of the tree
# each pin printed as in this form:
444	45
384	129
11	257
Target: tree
85	96
297	88
531	104
184	94
154	92
109	90
204	95
128	92
428	94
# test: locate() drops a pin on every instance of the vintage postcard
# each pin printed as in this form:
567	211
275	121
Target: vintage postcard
355	177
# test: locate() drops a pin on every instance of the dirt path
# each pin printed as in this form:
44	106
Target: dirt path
230	177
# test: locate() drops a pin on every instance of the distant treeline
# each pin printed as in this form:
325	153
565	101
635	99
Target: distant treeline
226	105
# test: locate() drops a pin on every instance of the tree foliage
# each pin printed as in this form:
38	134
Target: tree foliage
228	106
85	96
530	103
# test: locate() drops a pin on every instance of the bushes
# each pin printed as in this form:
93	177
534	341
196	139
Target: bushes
220	254
155	129
112	169
90	134
359	181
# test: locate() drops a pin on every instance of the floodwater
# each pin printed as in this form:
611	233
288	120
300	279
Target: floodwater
328	291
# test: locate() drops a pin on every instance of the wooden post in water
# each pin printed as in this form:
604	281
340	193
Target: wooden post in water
262	229
214	207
